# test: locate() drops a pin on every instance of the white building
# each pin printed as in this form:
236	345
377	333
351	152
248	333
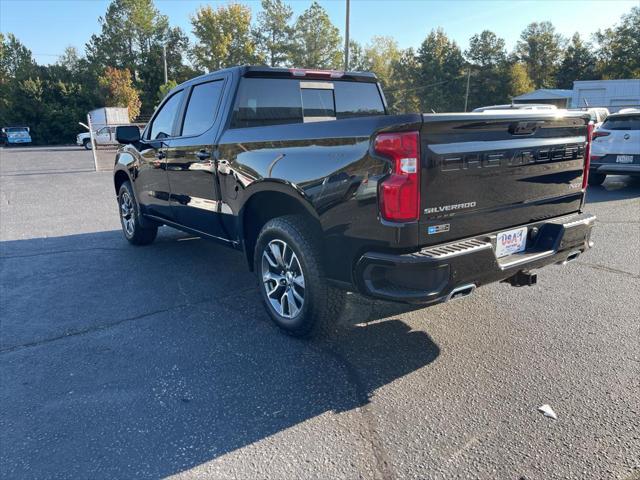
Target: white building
553	96
612	94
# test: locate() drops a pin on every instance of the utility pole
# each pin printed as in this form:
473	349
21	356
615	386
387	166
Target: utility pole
164	59
466	96
346	41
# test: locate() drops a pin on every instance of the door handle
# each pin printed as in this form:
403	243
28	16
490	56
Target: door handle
202	155
161	155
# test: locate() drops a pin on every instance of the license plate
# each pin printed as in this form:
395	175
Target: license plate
511	241
624	159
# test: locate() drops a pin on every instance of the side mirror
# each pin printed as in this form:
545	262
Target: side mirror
127	134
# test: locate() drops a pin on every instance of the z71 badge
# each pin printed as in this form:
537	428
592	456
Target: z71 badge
438	228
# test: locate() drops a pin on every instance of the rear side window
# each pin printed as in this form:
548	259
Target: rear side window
162	125
267	101
626	122
354	99
202	108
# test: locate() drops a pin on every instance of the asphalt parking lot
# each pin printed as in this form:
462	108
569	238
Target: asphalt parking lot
149	362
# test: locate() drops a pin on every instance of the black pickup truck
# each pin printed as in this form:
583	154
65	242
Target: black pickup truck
306	173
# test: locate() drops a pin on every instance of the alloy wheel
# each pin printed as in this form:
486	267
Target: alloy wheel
126	213
282	278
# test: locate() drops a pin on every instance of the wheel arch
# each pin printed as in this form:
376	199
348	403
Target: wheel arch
268	200
119	177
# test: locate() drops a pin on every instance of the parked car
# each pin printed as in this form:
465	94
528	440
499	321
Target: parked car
517	106
450	202
104	136
15	136
616	147
597	114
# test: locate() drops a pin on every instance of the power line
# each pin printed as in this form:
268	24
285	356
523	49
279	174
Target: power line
415	88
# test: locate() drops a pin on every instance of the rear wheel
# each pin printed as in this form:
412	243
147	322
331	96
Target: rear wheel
596	179
288	262
133	230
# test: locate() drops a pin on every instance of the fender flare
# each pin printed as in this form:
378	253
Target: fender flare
271	185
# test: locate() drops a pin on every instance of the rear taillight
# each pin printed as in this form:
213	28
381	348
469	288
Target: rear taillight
399	193
597	134
587	156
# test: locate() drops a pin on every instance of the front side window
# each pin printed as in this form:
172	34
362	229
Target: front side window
202	107
162	125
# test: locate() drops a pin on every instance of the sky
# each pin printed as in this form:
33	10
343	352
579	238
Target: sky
47	27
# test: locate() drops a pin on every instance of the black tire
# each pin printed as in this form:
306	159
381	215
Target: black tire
86	143
133	230
321	303
596	179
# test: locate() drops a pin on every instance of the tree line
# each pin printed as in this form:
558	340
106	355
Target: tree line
122	65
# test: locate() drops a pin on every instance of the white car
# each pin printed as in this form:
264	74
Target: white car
103	136
598	114
615	148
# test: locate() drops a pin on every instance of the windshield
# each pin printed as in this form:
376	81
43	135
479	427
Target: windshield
623	122
17	130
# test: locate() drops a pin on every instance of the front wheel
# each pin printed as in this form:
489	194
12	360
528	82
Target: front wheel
596	179
288	261
86	143
133	230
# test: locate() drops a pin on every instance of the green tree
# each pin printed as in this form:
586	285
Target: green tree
224	37
487	56
380	55
357	60
519	81
541	48
129	30
70	59
619	48
403	95
166	88
317	42
16	64
440	73
579	63
15	59
119	91
132	36
273	33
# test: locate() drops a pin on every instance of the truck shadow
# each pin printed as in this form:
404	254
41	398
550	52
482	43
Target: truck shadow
615	187
122	362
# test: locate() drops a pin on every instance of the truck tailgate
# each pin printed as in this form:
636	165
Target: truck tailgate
486	172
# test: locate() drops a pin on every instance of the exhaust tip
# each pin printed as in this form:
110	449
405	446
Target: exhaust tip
572	257
461	291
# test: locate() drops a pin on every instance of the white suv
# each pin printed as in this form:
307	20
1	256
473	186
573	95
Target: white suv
616	147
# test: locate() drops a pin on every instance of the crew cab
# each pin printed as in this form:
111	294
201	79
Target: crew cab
324	191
